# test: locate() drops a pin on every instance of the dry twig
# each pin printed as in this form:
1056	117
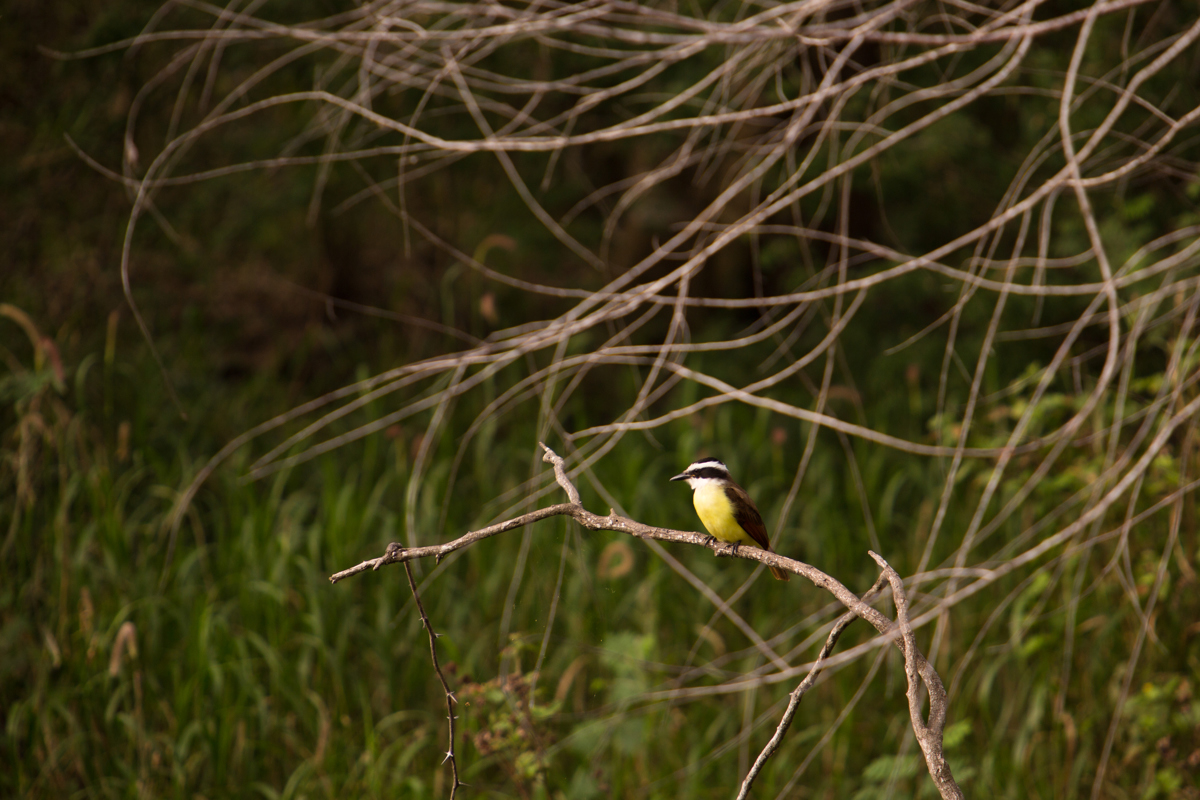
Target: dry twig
437	668
916	667
770	117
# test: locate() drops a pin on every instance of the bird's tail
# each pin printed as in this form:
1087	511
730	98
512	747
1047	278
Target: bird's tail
779	574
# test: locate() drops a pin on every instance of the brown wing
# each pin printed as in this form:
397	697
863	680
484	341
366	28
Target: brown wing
746	515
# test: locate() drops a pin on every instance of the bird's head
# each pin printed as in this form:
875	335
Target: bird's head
706	469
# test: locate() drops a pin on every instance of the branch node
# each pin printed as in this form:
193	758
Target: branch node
390	554
917	668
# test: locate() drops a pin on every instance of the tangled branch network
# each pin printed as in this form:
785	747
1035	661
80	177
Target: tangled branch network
762	134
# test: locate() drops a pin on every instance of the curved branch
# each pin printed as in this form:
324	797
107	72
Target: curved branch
916	666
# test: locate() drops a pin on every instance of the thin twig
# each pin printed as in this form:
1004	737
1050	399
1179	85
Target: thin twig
915	663
450	698
560	474
765	155
798	693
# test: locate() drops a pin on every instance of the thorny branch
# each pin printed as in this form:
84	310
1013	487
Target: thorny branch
917	667
437	668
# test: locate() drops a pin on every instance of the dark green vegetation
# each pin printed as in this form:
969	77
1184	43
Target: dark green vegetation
219	662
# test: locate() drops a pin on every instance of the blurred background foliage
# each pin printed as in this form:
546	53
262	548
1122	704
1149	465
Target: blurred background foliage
221	663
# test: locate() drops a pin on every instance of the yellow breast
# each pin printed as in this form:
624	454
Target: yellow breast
716	512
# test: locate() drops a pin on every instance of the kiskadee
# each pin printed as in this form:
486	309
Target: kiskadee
725	509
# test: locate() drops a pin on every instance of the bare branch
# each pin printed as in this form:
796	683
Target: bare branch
773	114
798	693
929	735
916	666
437	668
560	474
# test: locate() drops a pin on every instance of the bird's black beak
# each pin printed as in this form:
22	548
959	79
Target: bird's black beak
681	477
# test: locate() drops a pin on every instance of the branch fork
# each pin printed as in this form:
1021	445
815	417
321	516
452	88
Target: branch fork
918	671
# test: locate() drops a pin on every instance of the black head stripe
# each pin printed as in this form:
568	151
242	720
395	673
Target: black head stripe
710	472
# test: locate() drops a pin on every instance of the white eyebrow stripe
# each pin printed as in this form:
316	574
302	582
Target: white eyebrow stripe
708	463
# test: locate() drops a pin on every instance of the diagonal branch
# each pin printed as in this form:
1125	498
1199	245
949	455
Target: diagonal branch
798	693
917	668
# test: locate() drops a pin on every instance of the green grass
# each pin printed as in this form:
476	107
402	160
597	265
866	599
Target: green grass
222	663
234	669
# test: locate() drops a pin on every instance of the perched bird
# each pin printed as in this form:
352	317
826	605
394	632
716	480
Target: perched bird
725	509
